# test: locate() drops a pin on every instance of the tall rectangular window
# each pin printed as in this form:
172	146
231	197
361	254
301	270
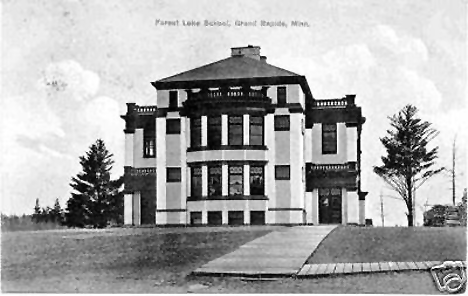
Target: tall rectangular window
257	186
173	100
149	142
236	175
329	139
256	130
149	149
196	182
215	180
214	132
282	172
173	126
173	175
195	132
282	123
235	130
281	95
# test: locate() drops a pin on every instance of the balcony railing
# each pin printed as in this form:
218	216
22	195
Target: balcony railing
142	171
145	109
335	103
349	166
227	93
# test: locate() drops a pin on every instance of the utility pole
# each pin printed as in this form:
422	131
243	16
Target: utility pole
381	210
453	170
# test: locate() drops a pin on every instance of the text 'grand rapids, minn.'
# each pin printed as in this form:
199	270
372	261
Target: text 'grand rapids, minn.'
229	23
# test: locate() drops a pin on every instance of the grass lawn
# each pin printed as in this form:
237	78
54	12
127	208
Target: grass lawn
373	244
156	260
101	261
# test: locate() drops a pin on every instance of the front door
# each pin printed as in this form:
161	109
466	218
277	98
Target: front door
329	206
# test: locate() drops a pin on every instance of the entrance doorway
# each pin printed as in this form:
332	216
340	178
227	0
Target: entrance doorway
330	205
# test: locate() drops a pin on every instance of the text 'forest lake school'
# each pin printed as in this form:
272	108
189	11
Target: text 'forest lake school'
232	23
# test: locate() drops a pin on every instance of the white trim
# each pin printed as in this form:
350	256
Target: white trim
225	179
224	129
204	180
204	130
344	206
246	180
351	146
129	149
362	212
183	168
137	208
315	207
128	209
246	135
353	207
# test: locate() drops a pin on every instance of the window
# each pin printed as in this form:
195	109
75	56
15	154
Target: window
173	99
214	181
257	217
329	145
281	95
235	180
256	130
282	172
195	132
256	180
235	217
215	218
149	142
173	175
149	147
214	132
195	218
196	182
281	122
173	126
235	130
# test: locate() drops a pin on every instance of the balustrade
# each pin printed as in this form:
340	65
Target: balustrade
334	167
333	103
142	171
226	93
145	109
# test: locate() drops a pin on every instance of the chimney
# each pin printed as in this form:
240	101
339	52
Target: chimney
250	51
263	59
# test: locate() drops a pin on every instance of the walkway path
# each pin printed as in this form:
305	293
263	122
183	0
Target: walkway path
282	252
311	270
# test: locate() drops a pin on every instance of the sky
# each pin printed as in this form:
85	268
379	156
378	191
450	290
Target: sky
68	68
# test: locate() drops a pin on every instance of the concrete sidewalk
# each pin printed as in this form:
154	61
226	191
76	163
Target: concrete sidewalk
281	252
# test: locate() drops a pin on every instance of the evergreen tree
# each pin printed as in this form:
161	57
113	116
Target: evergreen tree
408	163
94	193
56	213
462	208
46	214
36	217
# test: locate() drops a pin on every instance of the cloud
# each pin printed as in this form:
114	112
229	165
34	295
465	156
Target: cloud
103	118
45	131
398	47
69	78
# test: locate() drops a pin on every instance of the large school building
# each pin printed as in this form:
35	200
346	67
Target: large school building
240	141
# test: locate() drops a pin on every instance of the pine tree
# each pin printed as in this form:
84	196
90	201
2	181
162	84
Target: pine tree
93	190
56	213
36	217
409	162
